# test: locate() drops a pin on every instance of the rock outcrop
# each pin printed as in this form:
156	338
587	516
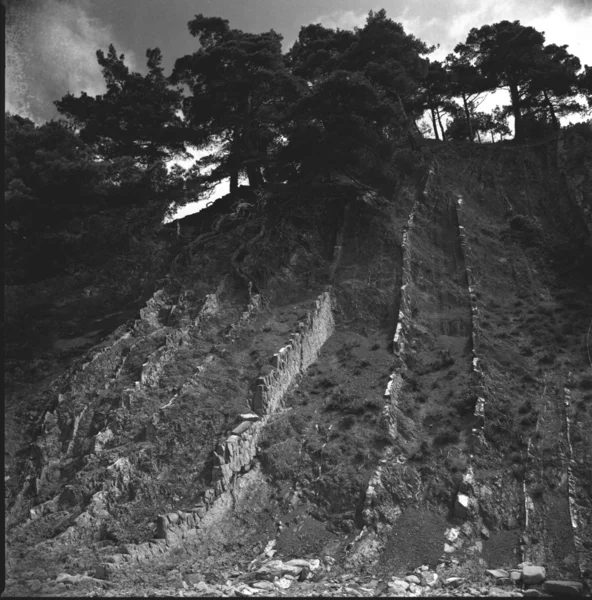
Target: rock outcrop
235	455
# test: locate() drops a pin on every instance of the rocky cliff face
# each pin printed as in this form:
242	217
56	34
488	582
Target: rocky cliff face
357	387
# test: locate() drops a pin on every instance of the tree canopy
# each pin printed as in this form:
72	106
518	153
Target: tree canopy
138	116
336	109
239	88
538	77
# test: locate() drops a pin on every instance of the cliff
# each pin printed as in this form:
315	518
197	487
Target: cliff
321	387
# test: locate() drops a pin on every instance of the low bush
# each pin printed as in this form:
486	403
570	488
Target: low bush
446	437
297	422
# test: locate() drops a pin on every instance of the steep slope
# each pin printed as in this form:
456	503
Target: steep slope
378	384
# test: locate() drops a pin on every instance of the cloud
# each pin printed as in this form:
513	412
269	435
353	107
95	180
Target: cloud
51	49
343	19
556	19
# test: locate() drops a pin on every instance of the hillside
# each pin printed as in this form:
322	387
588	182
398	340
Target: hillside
371	396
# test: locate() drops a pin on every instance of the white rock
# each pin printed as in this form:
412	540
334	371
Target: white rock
400	583
277	567
298	562
412	579
315	563
533	574
282	583
451	534
250	417
461	506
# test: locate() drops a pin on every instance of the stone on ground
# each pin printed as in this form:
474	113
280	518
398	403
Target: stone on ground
533	574
563	588
498	573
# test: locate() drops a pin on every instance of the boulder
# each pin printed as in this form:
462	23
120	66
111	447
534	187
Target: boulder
498	573
194	578
563	588
400	583
429	579
298	562
533	574
461	506
412	579
452	534
277	568
396	590
282	583
263	585
34	585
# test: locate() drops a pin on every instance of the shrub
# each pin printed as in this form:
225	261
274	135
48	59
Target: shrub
528	421
326	382
347	422
275	432
458	463
282	460
446	437
297	422
464	405
548	357
518	472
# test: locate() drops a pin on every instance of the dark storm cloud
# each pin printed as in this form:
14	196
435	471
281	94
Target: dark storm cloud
50	50
51	44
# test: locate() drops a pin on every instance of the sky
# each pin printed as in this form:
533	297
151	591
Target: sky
51	44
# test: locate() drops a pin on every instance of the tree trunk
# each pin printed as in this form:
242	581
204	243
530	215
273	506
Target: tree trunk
440	122
233	182
478	136
518	123
492	138
468	117
234	162
434	125
551	112
254	175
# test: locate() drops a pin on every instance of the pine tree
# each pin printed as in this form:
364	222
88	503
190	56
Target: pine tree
138	116
239	90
